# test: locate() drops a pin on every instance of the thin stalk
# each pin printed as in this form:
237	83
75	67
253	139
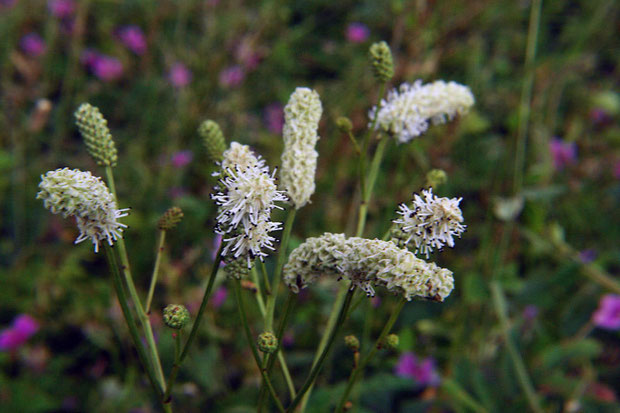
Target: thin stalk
175	366
355	144
499	302
160	249
526	95
317	368
133	293
248	334
372	177
457	392
265	279
131	322
259	293
271	299
360	367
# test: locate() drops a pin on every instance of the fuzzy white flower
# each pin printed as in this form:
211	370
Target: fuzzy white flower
431	222
240	156
366	263
76	193
407	111
301	114
251	241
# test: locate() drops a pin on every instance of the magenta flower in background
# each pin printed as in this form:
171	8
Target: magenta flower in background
357	33
563	153
274	118
7	3
133	37
15	336
422	371
607	315
176	192
530	312
88	57
587	256
61	8
232	76
32	44
182	158
219	297
179	75
107	68
617	170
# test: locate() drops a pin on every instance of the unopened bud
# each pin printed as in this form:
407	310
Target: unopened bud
352	342
176	316
212	139
170	218
267	342
381	60
344	124
94	129
237	268
436	177
391	342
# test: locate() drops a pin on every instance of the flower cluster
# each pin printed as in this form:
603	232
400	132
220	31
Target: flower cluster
367	263
85	197
23	327
406	112
430	223
246	196
301	115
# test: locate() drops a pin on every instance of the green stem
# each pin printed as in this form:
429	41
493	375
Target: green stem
160	249
355	144
133	293
259	293
271	299
265	279
499	302
457	392
248	334
372	177
317	368
526	95
360	367
175	366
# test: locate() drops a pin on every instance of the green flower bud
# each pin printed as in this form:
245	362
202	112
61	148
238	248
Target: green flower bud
344	124
435	178
212	139
238	268
97	137
391	342
381	60
352	342
267	342
170	218
176	316
398	236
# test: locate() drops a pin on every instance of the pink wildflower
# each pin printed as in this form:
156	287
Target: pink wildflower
274	118
607	315
180	76
219	297
422	371
107	68
61	8
182	158
232	76
32	44
357	32
15	336
563	153
133	37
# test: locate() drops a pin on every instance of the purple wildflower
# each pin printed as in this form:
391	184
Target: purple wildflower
133	37
232	76
607	315
563	153
274	118
530	312
32	44
15	336
182	158
61	8
288	339
88	57
357	32
422	371
7	3
587	256
107	68
180	76
219	296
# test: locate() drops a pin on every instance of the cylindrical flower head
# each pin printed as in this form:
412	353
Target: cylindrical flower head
240	157
176	316
97	137
381	60
407	111
431	222
366	263
301	121
213	140
170	219
79	194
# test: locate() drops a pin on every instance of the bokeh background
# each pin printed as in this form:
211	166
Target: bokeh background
156	69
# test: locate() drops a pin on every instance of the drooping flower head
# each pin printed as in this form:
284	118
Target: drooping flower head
430	222
301	121
366	263
408	110
71	192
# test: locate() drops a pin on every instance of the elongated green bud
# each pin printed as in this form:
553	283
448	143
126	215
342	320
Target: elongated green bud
94	129
176	316
381	60
170	219
352	342
267	342
212	139
344	124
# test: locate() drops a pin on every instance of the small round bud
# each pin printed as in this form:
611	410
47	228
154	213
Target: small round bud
344	124
267	342
97	137
381	60
238	268
212	139
436	177
170	219
391	342
352	342
176	316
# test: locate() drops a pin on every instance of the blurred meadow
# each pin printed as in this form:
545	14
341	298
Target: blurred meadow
533	322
